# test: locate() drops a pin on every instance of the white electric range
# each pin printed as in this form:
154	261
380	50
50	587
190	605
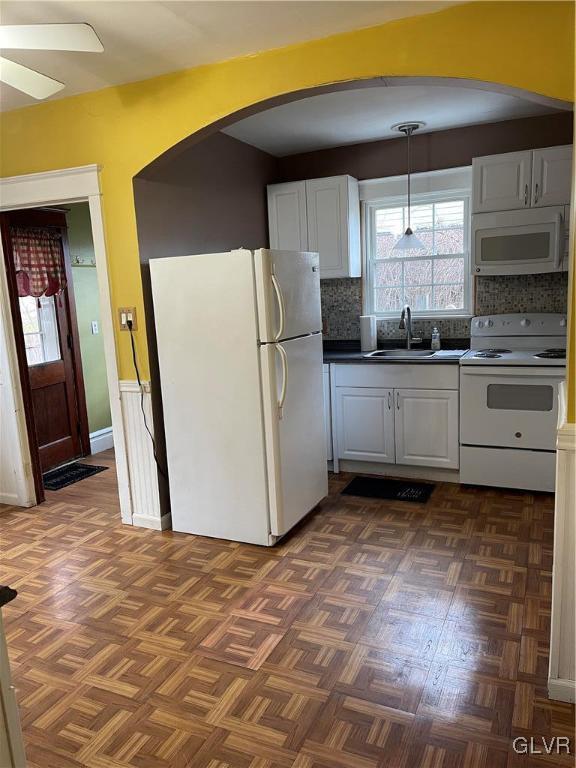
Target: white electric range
509	400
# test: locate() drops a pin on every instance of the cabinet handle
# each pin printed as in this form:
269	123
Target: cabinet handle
526	194
389	401
536	194
397	401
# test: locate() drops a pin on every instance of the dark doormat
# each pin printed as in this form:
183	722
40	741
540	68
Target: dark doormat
71	473
384	488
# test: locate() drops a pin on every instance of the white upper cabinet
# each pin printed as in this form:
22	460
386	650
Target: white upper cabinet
287	216
320	215
551	176
426	428
333	208
501	182
534	178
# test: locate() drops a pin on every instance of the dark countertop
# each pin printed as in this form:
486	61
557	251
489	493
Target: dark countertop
349	352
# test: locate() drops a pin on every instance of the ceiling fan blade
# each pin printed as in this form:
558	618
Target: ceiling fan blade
27	80
50	37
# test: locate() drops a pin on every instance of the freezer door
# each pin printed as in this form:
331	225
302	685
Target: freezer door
288	290
294	426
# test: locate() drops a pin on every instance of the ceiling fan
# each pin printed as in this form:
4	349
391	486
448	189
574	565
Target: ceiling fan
42	37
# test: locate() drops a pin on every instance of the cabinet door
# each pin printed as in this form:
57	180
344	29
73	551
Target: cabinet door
365	424
327	410
333	212
426	427
501	182
287	216
551	176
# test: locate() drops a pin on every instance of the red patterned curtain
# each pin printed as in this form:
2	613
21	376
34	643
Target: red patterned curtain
39	261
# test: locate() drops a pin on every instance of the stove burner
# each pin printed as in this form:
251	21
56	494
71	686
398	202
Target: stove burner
552	354
487	353
494	351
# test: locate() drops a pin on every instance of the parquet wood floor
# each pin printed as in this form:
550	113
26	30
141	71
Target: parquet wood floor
377	635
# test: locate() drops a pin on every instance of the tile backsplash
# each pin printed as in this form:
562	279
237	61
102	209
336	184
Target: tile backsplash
342	305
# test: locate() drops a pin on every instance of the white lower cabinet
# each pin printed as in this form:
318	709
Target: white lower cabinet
398	424
365	424
426	427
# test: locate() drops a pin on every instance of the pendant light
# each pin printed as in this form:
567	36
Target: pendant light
408	241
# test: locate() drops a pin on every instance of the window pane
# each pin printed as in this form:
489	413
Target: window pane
388	300
389	227
449	214
387	274
418	272
449	297
29	314
449	270
40	326
33	344
449	240
419	297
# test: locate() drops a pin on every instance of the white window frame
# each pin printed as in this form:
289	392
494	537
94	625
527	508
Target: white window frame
369	208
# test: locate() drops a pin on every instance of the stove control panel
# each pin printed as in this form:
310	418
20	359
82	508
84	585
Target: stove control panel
529	324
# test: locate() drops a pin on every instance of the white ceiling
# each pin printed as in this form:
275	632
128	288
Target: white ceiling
144	39
367	114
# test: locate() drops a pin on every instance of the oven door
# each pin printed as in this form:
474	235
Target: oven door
517	242
508	407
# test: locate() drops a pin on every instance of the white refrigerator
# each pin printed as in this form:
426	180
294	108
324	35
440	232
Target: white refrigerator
240	355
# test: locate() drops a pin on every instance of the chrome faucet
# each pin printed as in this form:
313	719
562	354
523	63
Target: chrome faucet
406	324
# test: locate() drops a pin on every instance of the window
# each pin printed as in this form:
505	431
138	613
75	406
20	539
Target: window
435	281
40	328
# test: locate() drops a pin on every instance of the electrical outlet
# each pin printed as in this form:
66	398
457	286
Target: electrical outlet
124	315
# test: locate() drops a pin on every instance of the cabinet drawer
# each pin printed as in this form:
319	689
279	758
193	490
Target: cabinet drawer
397	375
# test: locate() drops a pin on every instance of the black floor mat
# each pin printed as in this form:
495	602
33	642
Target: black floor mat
384	488
71	473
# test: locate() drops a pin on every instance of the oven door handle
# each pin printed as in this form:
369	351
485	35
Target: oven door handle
519	373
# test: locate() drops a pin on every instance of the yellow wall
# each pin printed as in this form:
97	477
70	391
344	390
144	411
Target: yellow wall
526	45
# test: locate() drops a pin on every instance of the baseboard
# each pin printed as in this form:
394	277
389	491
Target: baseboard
10	498
562	690
155	523
400	470
101	440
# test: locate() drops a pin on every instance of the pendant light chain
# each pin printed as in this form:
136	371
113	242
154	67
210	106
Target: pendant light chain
408	241
409	134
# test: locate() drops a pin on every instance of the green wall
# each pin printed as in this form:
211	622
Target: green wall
87	310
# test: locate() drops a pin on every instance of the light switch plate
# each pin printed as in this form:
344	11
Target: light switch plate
125	314
95	329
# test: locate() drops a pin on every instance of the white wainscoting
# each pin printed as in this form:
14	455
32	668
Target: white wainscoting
562	671
141	465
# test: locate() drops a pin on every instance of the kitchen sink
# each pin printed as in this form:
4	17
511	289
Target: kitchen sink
391	353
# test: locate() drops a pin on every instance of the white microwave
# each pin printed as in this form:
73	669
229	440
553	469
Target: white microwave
522	242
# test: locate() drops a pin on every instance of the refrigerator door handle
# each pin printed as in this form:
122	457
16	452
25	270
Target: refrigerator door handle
284	359
281	307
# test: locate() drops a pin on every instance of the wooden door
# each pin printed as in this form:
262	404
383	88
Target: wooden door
501	182
365	424
49	354
426	427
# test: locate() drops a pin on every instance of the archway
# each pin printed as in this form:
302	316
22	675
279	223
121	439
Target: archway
207	193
